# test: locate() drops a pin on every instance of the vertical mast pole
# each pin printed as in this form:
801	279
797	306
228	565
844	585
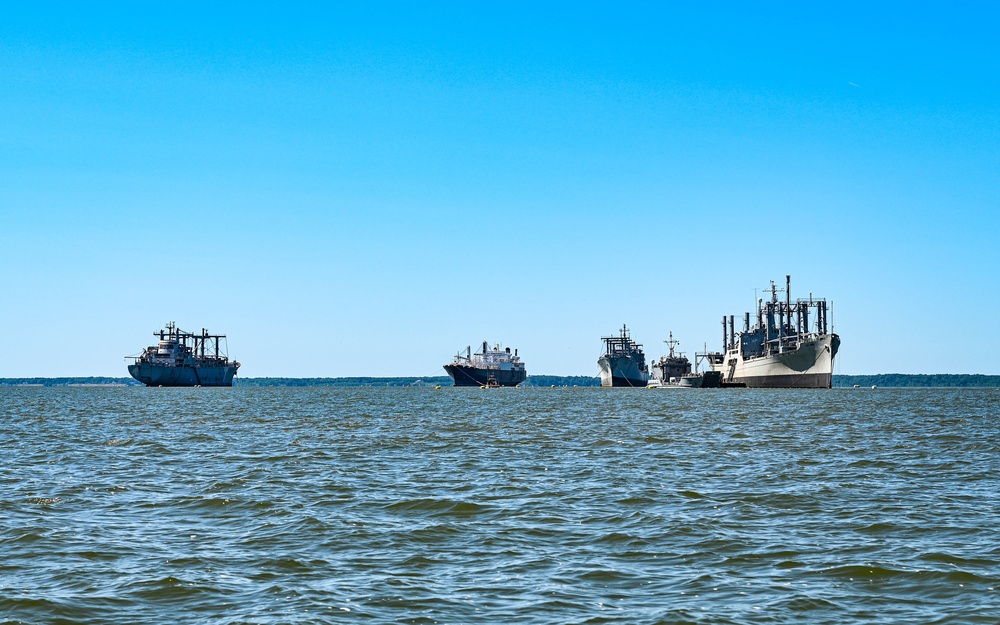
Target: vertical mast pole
788	299
725	337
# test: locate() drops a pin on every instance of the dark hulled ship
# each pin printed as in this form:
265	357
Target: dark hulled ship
623	362
184	359
490	367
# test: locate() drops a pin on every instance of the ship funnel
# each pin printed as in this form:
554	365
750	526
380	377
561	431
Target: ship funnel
725	336
788	297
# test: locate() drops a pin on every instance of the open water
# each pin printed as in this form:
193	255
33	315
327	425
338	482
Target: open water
575	505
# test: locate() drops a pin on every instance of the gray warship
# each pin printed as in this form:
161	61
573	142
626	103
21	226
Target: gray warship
180	359
783	349
674	371
623	362
490	367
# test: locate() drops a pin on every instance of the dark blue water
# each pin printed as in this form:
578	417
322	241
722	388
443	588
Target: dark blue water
415	505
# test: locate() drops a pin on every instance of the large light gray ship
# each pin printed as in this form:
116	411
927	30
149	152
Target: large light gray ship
789	346
180	359
623	362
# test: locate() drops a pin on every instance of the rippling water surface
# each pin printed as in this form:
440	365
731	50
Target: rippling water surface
415	505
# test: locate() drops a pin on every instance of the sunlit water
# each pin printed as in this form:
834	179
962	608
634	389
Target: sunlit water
415	505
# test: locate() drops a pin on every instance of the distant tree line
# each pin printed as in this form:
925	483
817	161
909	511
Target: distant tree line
905	380
561	380
533	380
410	381
68	381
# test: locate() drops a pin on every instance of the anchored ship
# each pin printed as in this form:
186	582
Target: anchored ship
789	346
180	359
674	369
623	362
490	367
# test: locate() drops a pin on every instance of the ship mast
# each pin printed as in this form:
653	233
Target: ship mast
671	343
198	341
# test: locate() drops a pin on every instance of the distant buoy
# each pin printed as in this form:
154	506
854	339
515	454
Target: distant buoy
553	386
873	387
438	387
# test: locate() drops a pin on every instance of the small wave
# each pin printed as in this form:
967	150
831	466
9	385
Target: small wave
637	501
926	578
31	609
607	442
606	576
690	494
870	464
418	562
166	589
29	537
288	565
435	533
864	571
209	503
805	604
947	558
658	439
880	528
616	538
463	508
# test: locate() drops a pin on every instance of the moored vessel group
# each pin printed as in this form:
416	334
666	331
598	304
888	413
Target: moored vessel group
789	345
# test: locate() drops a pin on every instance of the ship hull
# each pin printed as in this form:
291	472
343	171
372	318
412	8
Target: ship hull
621	372
464	375
700	380
690	381
809	366
184	375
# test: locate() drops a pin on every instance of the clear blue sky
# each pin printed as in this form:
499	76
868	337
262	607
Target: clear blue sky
365	189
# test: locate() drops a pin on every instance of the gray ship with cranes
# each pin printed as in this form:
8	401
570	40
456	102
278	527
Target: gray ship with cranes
184	359
623	362
789	345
